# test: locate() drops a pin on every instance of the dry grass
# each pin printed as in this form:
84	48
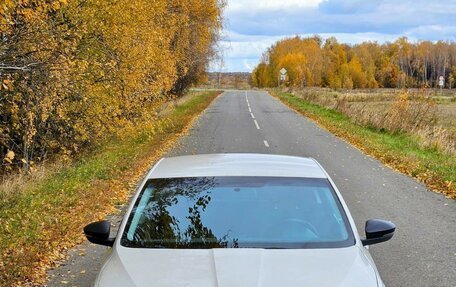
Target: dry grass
12	184
416	113
447	115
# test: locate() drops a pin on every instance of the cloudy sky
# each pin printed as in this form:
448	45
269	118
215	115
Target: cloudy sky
253	25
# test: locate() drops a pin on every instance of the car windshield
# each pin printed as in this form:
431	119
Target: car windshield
237	212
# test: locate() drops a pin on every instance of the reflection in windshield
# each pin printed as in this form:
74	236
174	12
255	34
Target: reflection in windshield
163	229
233	212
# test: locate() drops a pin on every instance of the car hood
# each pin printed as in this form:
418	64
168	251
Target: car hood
340	267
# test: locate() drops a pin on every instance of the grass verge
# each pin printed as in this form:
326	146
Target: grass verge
398	150
44	218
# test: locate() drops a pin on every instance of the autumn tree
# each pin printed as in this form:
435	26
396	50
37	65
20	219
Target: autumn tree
297	72
357	74
337	72
74	72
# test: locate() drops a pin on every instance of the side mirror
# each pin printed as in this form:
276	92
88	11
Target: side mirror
378	231
98	233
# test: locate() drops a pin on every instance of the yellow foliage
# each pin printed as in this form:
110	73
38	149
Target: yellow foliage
357	74
84	69
367	65
295	64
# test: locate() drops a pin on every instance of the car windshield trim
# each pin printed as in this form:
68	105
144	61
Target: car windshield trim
198	205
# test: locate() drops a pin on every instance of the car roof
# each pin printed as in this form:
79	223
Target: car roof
237	164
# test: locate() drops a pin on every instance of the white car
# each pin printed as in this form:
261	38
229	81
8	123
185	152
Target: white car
238	220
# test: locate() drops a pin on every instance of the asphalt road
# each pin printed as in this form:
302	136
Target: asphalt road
423	251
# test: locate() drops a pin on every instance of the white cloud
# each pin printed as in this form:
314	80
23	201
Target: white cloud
237	5
356	38
248	66
432	32
247	46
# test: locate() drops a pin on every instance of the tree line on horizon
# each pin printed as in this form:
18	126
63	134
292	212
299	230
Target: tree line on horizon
314	62
73	72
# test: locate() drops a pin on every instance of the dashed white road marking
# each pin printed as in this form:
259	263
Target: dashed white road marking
266	144
256	124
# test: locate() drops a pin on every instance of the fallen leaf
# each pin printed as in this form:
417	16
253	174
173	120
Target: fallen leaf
10	155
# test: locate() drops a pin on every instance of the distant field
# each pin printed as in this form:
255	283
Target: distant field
382	100
425	109
445	112
447	115
227	81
